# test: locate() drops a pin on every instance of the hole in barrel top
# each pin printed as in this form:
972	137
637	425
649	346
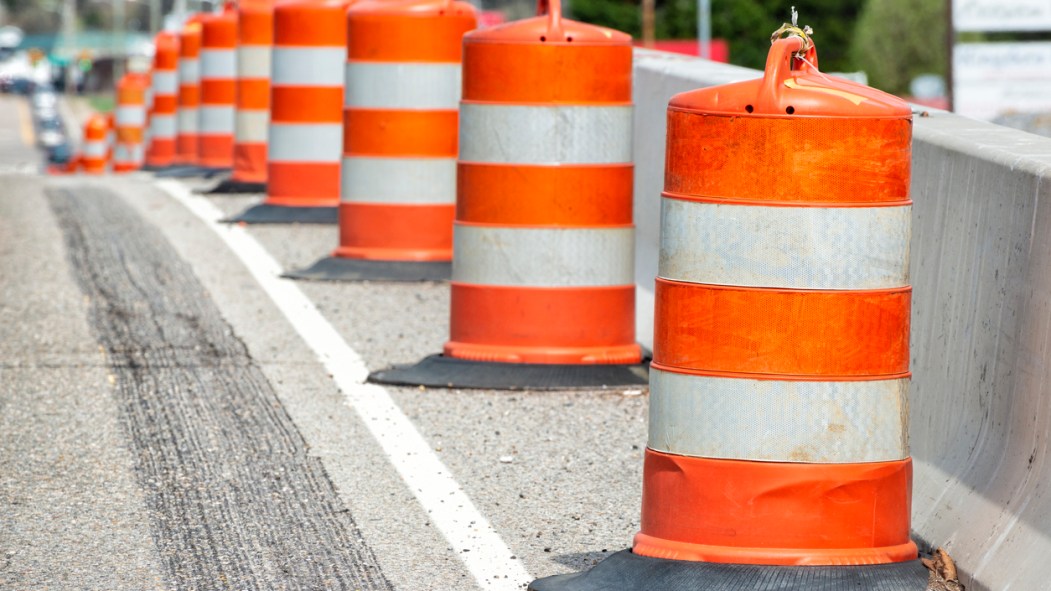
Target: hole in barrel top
569	39
542	38
790	110
749	108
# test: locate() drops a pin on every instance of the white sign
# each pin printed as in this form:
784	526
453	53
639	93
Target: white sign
1001	15
993	79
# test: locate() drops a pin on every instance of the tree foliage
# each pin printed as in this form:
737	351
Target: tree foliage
896	40
745	24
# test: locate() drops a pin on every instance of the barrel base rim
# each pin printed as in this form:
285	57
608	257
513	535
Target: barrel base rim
627	571
231	187
347	269
439	371
264	213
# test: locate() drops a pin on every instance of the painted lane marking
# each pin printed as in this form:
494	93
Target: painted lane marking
450	509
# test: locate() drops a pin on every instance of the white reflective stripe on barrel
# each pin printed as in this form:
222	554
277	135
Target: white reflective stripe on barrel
779	420
251	126
121	153
189	72
148	97
305	142
165	82
785	247
543	257
219	64
216	120
95	149
398	180
162	126
138	152
130	116
253	61
187	120
308	66
557	134
391	85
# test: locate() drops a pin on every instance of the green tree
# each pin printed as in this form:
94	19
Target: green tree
896	40
745	24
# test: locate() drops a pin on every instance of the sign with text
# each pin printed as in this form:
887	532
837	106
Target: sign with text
993	79
1001	15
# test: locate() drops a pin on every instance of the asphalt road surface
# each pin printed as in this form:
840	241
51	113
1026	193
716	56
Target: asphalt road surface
173	416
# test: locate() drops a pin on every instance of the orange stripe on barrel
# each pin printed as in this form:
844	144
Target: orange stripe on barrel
796	160
373	35
776	513
781	331
306	104
303	184
537	195
249	163
543	325
409	232
376	132
253	94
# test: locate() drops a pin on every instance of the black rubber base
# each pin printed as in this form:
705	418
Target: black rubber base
438	371
230	186
277	214
181	172
625	571
343	269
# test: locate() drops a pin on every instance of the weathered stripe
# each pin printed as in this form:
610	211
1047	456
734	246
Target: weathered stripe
399	180
518	134
253	61
251	126
543	257
391	85
130	116
308	66
219	64
317	143
785	247
189	72
778	421
216	119
165	82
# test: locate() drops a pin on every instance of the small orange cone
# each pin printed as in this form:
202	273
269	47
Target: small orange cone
94	152
130	121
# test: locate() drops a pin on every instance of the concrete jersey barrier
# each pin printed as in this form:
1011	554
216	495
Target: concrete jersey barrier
980	407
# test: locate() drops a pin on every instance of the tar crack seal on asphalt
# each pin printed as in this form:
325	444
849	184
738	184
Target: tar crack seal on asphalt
235	499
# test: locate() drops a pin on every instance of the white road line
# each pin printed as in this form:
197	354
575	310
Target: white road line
450	509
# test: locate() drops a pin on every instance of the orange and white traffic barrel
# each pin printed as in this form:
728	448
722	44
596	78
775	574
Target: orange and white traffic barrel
778	433
94	150
111	134
130	119
186	136
398	184
306	114
164	87
218	84
543	263
255	35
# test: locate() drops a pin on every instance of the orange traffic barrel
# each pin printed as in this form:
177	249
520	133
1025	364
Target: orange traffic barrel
130	122
255	34
95	149
186	136
111	134
305	136
218	59
164	87
543	280
778	433
398	185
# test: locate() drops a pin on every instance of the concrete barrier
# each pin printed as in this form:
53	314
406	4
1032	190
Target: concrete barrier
981	327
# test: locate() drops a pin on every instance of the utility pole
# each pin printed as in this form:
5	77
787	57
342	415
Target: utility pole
704	28
155	17
648	22
69	32
120	51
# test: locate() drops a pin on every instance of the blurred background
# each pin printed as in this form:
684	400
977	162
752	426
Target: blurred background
987	59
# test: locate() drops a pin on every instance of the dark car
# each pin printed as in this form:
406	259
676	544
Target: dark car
59	154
